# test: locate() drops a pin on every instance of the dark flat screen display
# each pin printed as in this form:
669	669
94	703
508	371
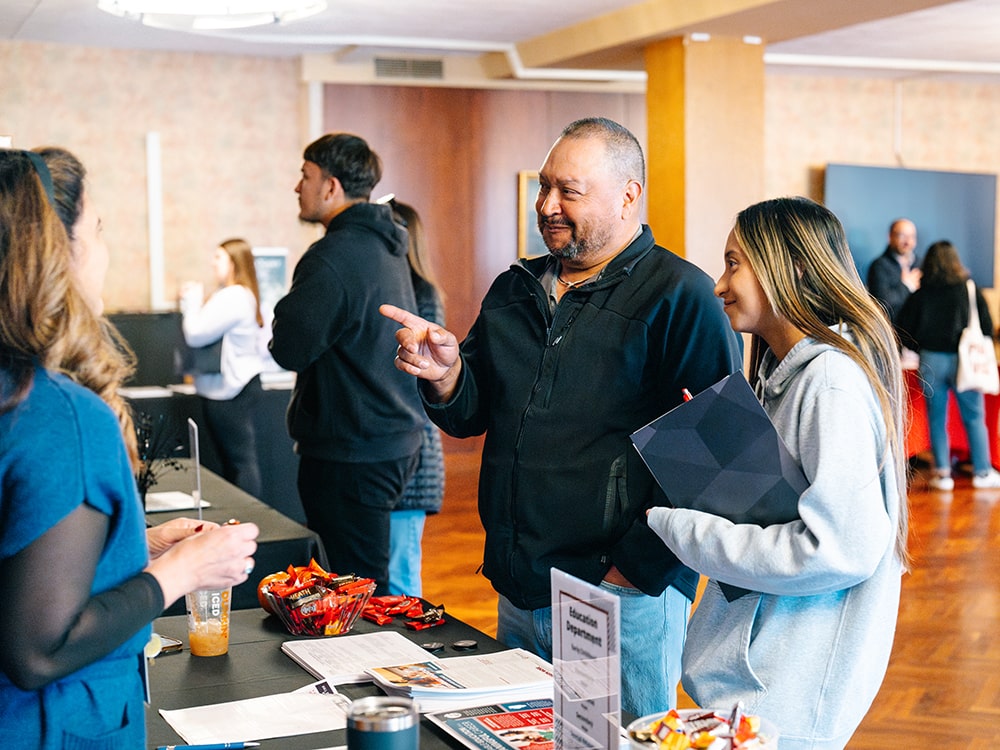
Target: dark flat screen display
955	206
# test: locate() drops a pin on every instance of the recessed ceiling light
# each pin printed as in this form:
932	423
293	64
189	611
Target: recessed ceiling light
199	15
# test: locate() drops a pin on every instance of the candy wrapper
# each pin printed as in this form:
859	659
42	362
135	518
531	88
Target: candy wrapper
310	601
697	729
383	609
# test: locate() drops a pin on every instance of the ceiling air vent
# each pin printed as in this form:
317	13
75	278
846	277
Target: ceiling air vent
390	67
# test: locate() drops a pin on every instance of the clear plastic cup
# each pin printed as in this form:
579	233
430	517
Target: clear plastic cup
208	621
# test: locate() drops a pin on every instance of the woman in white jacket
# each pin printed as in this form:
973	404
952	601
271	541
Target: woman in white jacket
230	397
809	646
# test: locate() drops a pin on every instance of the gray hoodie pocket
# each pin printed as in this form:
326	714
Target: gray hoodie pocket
716	665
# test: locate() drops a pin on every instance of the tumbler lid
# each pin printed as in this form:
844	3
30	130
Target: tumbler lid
380	713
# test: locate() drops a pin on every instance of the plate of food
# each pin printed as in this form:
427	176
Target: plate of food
702	729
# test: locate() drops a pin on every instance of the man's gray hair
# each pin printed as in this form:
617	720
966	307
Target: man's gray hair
624	151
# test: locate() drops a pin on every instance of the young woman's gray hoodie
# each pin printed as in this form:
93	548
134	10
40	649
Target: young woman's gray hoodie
809	651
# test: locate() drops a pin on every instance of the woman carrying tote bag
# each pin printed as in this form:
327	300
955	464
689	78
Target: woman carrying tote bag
931	322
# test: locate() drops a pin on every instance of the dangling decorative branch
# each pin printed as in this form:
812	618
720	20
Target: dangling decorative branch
160	449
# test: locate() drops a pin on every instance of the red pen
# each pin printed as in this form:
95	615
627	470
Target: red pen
686	394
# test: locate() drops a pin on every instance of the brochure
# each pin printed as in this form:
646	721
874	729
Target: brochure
521	725
345	658
482	674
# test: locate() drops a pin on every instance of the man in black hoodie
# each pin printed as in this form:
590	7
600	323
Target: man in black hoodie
355	419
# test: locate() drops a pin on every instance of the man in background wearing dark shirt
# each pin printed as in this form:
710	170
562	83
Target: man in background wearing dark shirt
355	419
895	274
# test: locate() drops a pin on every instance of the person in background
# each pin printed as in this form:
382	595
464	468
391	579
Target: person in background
931	322
76	576
356	421
895	274
230	398
425	492
808	647
571	353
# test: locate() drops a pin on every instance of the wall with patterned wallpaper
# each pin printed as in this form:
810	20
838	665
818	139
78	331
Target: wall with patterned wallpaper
230	138
812	120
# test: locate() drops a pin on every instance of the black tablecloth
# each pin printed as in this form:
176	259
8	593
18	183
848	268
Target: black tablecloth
275	454
282	541
255	666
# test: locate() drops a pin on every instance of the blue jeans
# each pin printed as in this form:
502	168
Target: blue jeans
937	372
653	629
406	527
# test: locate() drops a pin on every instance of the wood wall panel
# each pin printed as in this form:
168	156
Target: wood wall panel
454	154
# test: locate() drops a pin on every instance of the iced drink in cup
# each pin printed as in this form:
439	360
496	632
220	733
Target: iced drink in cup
208	621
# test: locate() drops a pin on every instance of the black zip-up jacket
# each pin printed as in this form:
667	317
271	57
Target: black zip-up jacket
350	403
558	395
932	318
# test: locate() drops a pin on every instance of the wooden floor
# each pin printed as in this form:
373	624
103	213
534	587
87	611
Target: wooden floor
942	689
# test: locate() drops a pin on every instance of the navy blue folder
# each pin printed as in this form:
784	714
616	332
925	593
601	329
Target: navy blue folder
720	453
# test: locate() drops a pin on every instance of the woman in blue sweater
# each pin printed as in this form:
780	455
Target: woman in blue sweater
80	579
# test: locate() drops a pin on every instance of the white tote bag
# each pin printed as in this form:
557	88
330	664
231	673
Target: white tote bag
977	359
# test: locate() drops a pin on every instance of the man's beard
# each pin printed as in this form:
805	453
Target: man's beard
577	246
569	251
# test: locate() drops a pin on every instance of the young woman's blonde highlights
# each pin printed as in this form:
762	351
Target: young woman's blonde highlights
799	253
44	317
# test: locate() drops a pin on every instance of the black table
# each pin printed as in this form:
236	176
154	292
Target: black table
275	453
255	666
282	541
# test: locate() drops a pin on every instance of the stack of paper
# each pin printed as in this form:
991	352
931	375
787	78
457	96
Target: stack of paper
437	684
345	658
266	717
157	502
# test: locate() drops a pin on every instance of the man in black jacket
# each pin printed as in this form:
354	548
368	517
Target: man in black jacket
355	419
895	274
570	354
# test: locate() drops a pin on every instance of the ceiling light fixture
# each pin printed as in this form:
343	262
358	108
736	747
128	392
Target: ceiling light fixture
203	15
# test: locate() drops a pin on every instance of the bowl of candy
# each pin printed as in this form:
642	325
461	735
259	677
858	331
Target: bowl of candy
680	729
310	601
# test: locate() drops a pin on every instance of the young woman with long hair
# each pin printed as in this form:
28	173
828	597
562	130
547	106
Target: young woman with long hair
931	322
808	647
425	491
231	396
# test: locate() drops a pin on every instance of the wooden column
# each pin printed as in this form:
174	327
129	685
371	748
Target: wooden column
705	142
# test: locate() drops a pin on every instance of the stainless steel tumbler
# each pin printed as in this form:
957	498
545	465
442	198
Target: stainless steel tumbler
383	723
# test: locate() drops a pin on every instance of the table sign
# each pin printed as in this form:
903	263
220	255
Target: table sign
196	460
586	661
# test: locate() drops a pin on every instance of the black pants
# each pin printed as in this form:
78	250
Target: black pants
231	428
348	506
